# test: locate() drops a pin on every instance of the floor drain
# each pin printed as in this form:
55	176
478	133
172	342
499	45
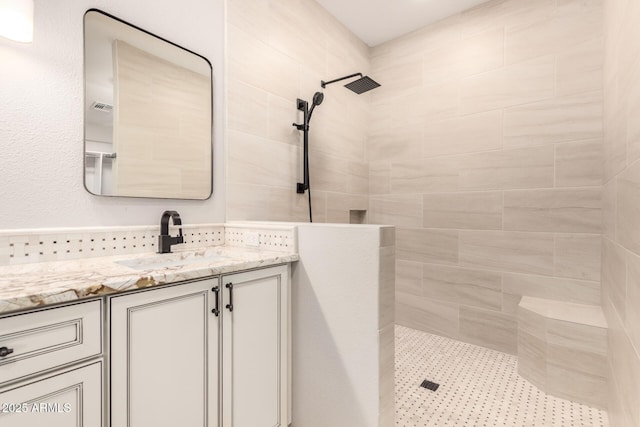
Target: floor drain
429	385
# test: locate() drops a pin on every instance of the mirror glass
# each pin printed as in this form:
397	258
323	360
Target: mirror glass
148	114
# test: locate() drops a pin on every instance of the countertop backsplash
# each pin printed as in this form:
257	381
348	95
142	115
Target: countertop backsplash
63	244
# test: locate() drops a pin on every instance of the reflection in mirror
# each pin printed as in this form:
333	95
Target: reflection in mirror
148	114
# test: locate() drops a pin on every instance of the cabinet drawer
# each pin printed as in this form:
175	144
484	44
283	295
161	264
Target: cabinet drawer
69	398
48	339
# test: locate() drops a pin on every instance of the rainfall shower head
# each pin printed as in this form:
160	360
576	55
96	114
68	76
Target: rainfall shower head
362	85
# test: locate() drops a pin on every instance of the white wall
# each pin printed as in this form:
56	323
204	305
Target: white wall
41	115
342	326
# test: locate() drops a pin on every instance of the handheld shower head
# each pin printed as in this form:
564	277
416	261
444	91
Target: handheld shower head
318	97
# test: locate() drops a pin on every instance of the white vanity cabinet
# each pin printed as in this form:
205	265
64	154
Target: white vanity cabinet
46	373
202	354
164	357
255	347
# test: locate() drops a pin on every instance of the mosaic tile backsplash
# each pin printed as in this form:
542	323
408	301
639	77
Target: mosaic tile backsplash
62	244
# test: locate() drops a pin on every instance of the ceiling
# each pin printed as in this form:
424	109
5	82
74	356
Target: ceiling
378	21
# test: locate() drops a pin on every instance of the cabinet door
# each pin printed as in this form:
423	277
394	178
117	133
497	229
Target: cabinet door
255	348
164	357
72	398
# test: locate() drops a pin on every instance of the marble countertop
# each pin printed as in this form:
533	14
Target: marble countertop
35	285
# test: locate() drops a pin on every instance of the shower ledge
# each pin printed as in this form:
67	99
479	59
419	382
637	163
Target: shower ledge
562	349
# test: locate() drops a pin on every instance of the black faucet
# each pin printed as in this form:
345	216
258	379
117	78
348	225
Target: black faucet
164	239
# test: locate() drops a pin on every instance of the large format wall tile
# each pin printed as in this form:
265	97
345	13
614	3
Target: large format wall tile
579	164
265	162
477	210
440	65
338	129
614	149
280	115
327	172
257	202
400	210
249	54
438	317
409	277
562	210
580	68
403	77
614	279
307	47
554	120
251	16
609	200
463	286
578	256
387	376
578	336
628	208
492	329
507	251
419	176
505	14
632	113
531	353
396	143
247	108
572	22
515	84
427	245
624	364
379	178
632	311
358	182
445	32
566	378
475	132
530	167
386	298
480	52
431	103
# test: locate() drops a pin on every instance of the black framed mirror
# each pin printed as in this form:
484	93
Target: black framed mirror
148	114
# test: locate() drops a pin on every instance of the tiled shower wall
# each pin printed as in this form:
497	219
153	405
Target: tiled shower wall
278	51
485	152
621	208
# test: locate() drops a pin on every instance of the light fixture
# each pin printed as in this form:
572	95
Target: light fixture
16	20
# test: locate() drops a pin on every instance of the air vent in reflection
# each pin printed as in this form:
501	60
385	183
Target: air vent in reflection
101	106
